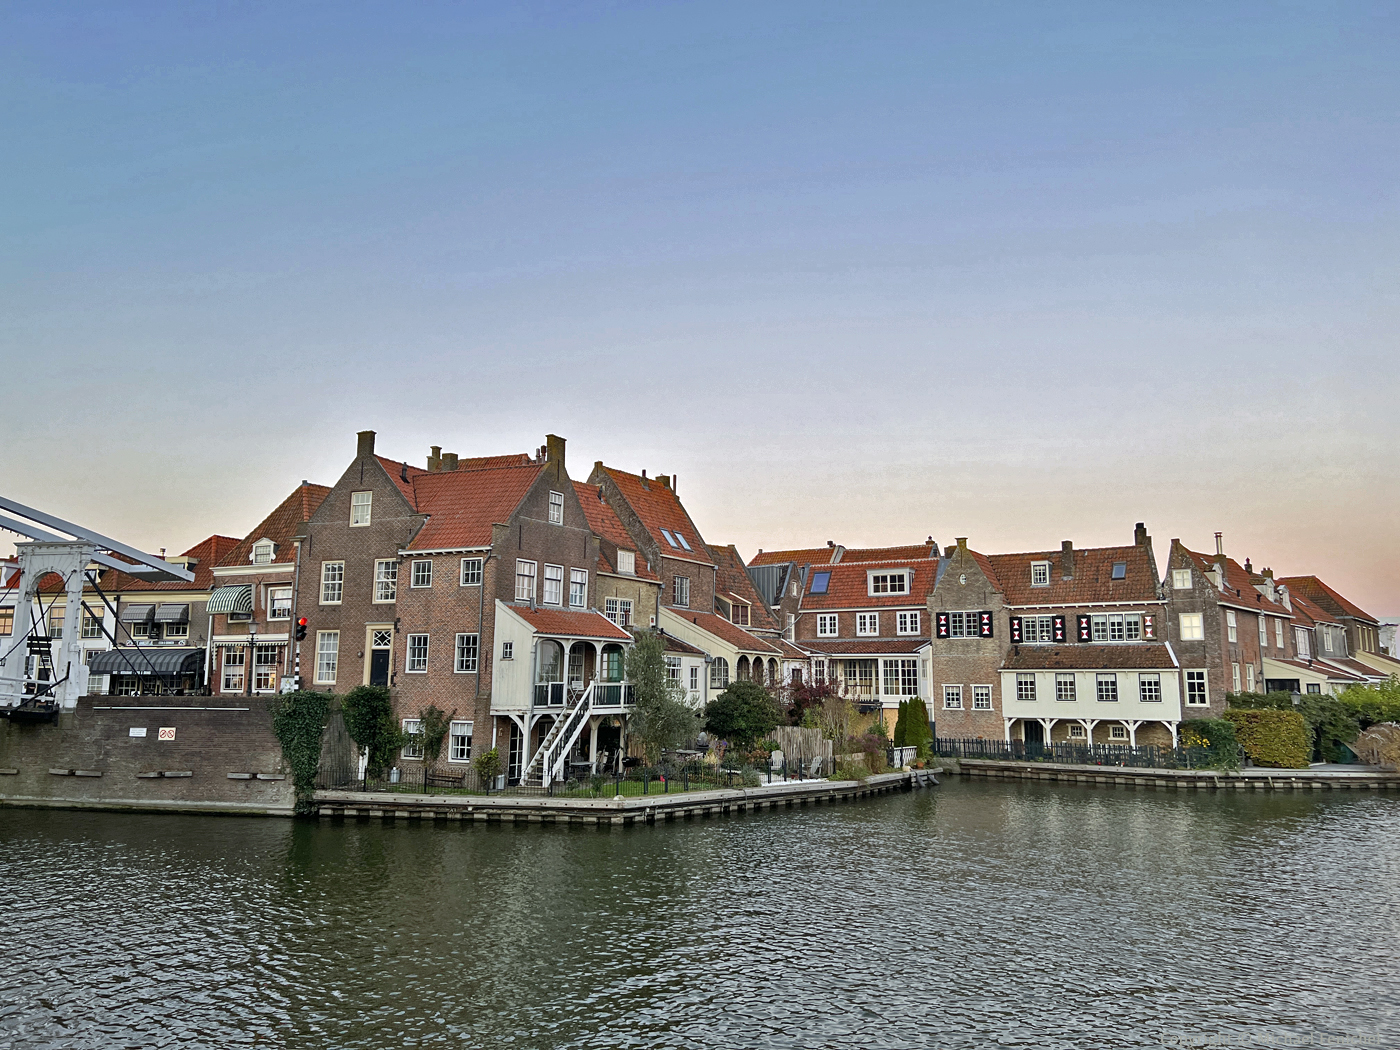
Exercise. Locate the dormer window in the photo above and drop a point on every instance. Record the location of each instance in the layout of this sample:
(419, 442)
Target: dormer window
(1040, 574)
(1120, 570)
(627, 562)
(262, 552)
(889, 582)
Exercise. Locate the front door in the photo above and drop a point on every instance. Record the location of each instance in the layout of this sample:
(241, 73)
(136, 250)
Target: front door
(381, 644)
(1034, 735)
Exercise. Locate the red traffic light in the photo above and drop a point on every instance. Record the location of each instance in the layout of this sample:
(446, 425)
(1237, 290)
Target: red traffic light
(301, 622)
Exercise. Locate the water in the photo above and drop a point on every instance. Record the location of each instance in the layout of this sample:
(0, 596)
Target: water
(971, 915)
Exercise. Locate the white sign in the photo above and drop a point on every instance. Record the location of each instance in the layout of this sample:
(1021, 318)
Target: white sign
(166, 733)
(136, 731)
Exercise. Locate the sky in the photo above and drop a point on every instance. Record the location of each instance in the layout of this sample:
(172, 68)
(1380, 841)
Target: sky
(858, 272)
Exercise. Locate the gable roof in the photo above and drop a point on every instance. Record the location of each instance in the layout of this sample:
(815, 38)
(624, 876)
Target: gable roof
(207, 553)
(847, 588)
(280, 526)
(727, 632)
(732, 577)
(1091, 579)
(1138, 656)
(810, 556)
(397, 471)
(658, 507)
(463, 504)
(1308, 613)
(606, 525)
(1315, 590)
(1237, 588)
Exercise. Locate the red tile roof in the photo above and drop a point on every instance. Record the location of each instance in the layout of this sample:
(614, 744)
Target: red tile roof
(789, 650)
(866, 646)
(1091, 580)
(280, 526)
(917, 550)
(1136, 656)
(1237, 588)
(571, 624)
(728, 632)
(606, 525)
(1353, 667)
(1307, 613)
(208, 553)
(812, 556)
(397, 471)
(675, 645)
(659, 508)
(847, 588)
(1315, 590)
(1317, 667)
(732, 578)
(463, 504)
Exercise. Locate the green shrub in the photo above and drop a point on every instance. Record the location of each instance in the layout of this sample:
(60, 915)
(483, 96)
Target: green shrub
(1373, 704)
(743, 713)
(297, 721)
(1332, 724)
(488, 767)
(1217, 737)
(433, 724)
(1272, 738)
(901, 724)
(369, 719)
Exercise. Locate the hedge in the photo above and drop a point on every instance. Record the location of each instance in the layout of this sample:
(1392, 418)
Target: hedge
(1272, 738)
(1217, 737)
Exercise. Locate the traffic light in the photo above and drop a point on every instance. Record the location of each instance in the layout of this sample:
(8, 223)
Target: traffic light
(301, 629)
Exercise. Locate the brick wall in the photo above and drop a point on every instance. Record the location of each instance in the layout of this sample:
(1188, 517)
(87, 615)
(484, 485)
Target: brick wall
(967, 661)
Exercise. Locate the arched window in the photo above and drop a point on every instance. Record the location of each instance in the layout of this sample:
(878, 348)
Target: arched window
(773, 672)
(719, 673)
(742, 668)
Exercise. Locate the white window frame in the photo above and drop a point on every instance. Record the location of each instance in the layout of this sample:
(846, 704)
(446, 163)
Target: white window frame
(1118, 732)
(1040, 574)
(420, 575)
(332, 581)
(1232, 628)
(981, 698)
(526, 574)
(1204, 682)
(91, 626)
(553, 584)
(267, 662)
(627, 562)
(412, 727)
(681, 591)
(273, 600)
(1263, 632)
(1278, 632)
(1191, 626)
(361, 510)
(887, 581)
(694, 678)
(177, 630)
(1250, 683)
(952, 698)
(469, 575)
(1181, 579)
(233, 672)
(908, 623)
(578, 588)
(1149, 683)
(415, 659)
(260, 548)
(719, 673)
(963, 623)
(618, 610)
(1301, 643)
(556, 507)
(1076, 731)
(828, 625)
(1327, 639)
(467, 650)
(455, 732)
(1067, 679)
(386, 581)
(673, 669)
(327, 656)
(1043, 627)
(868, 624)
(1106, 682)
(507, 650)
(1235, 677)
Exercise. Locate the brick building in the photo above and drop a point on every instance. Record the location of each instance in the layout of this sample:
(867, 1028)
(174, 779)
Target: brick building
(1359, 652)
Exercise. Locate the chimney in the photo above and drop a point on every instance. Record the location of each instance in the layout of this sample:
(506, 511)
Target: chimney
(554, 449)
(948, 551)
(665, 479)
(644, 480)
(449, 461)
(1067, 559)
(162, 554)
(366, 443)
(831, 543)
(1248, 566)
(836, 556)
(435, 458)
(1267, 572)
(1219, 545)
(1140, 537)
(962, 543)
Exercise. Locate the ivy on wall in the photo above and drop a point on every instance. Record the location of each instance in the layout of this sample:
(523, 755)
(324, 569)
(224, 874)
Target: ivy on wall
(298, 720)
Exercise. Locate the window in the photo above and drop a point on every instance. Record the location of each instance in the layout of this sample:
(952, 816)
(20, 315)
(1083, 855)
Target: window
(1150, 688)
(554, 585)
(740, 614)
(55, 622)
(889, 583)
(279, 603)
(1118, 732)
(1040, 574)
(144, 630)
(266, 660)
(627, 562)
(1327, 638)
(818, 671)
(417, 662)
(413, 742)
(92, 625)
(459, 742)
(7, 619)
(359, 507)
(1278, 634)
(177, 630)
(556, 508)
(233, 669)
(262, 553)
(952, 697)
(1249, 673)
(1107, 687)
(695, 679)
(1064, 686)
(1191, 627)
(981, 698)
(1120, 570)
(820, 582)
(1181, 579)
(1301, 643)
(1025, 687)
(332, 582)
(1196, 689)
(682, 591)
(964, 625)
(826, 625)
(907, 623)
(683, 542)
(386, 580)
(524, 580)
(327, 656)
(466, 654)
(422, 574)
(1231, 630)
(670, 539)
(1235, 674)
(1263, 632)
(1037, 628)
(1076, 731)
(471, 572)
(507, 650)
(619, 611)
(719, 673)
(1116, 627)
(901, 677)
(578, 588)
(867, 623)
(673, 668)
(1314, 687)
(381, 640)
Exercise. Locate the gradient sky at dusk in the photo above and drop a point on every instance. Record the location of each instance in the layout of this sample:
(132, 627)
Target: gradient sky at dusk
(1020, 272)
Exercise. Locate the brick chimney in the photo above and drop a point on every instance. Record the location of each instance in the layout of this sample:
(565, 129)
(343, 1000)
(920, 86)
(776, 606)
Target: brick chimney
(449, 461)
(365, 446)
(435, 458)
(665, 479)
(554, 450)
(1140, 537)
(1067, 559)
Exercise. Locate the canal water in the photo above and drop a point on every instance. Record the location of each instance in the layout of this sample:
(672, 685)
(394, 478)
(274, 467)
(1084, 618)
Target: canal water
(966, 916)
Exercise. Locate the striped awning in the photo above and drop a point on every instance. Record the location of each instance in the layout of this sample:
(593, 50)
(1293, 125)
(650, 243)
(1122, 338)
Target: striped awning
(231, 600)
(136, 613)
(147, 661)
(172, 614)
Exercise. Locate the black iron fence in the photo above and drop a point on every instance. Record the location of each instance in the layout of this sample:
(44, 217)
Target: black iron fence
(1145, 755)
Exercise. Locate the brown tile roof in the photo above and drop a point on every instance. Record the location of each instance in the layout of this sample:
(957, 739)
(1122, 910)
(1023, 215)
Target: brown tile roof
(606, 525)
(1317, 667)
(675, 645)
(916, 550)
(812, 556)
(1315, 590)
(1237, 587)
(659, 508)
(1353, 667)
(1135, 656)
(847, 587)
(571, 624)
(463, 504)
(866, 646)
(281, 525)
(1092, 579)
(208, 553)
(396, 471)
(731, 577)
(1307, 613)
(728, 632)
(789, 650)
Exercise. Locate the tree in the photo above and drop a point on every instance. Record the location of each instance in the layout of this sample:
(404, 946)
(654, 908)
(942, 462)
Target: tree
(901, 725)
(488, 768)
(369, 719)
(916, 729)
(432, 731)
(743, 713)
(660, 718)
(807, 696)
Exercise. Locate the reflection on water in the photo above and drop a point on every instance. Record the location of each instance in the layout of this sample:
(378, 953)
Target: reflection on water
(976, 914)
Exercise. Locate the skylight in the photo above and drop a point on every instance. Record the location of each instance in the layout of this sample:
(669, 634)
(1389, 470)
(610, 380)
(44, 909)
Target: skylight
(1120, 570)
(670, 539)
(819, 582)
(682, 539)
